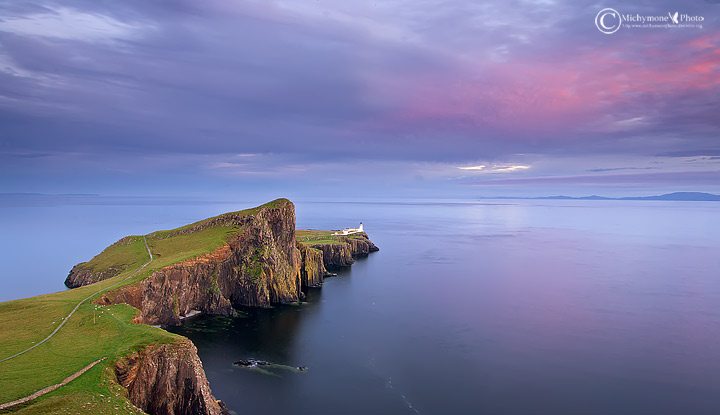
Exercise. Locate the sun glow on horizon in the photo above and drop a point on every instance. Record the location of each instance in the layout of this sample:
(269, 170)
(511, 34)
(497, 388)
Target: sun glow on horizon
(503, 168)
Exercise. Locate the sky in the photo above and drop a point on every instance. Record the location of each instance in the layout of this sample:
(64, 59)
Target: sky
(393, 98)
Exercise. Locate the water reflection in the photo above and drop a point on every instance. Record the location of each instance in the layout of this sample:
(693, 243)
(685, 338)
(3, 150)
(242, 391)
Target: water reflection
(255, 333)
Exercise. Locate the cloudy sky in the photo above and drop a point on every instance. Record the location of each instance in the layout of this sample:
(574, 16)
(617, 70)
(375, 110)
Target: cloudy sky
(378, 98)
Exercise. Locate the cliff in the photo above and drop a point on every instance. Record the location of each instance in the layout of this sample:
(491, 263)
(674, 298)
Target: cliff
(341, 252)
(312, 270)
(99, 268)
(168, 379)
(80, 276)
(259, 265)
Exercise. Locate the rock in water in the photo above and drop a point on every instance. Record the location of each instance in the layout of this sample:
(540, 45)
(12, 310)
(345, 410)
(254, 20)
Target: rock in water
(253, 363)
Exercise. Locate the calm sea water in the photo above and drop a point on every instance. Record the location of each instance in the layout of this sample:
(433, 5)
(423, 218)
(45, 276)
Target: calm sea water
(557, 307)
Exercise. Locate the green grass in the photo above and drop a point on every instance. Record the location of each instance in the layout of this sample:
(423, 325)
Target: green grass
(93, 331)
(315, 237)
(91, 393)
(119, 255)
(177, 248)
(246, 212)
(170, 245)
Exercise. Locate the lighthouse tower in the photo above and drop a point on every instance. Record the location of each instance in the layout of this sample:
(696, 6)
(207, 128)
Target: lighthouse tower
(350, 231)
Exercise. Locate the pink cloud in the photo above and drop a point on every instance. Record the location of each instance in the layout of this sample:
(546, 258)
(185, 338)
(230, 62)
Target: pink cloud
(534, 95)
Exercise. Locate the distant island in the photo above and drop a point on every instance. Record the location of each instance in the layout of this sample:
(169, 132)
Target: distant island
(677, 196)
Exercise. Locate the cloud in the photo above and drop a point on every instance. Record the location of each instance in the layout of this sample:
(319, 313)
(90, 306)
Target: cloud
(30, 155)
(260, 165)
(504, 169)
(602, 170)
(403, 83)
(495, 168)
(691, 153)
(70, 24)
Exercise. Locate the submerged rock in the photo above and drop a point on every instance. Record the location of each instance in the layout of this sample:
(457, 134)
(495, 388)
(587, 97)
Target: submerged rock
(253, 363)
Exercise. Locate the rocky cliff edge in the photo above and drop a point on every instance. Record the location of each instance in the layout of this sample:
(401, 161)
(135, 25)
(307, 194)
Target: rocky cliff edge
(168, 379)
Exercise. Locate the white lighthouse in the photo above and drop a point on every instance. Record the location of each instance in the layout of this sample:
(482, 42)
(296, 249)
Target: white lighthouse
(350, 231)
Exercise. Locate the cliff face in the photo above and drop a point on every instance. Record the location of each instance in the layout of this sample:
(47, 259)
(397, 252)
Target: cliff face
(335, 255)
(312, 270)
(361, 245)
(80, 276)
(258, 267)
(168, 380)
(341, 254)
(83, 274)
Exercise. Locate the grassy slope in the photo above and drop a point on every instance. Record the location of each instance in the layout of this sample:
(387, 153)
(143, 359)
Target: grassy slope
(314, 237)
(93, 331)
(167, 250)
(121, 257)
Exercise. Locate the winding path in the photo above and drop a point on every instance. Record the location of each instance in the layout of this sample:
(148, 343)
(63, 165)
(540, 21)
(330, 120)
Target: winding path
(82, 302)
(51, 388)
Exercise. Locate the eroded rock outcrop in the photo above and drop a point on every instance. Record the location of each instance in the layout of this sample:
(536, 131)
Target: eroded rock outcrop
(341, 254)
(80, 276)
(362, 245)
(83, 274)
(168, 379)
(312, 268)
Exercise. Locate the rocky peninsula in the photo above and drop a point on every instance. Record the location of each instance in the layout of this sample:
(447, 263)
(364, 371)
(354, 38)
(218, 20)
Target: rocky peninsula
(252, 258)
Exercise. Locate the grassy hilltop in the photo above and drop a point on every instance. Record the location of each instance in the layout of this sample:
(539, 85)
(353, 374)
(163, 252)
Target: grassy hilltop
(169, 246)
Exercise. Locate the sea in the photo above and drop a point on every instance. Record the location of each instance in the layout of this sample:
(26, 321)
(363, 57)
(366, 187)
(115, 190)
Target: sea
(470, 306)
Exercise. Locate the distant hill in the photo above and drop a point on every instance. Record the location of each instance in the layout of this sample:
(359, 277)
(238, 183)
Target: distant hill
(681, 196)
(689, 196)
